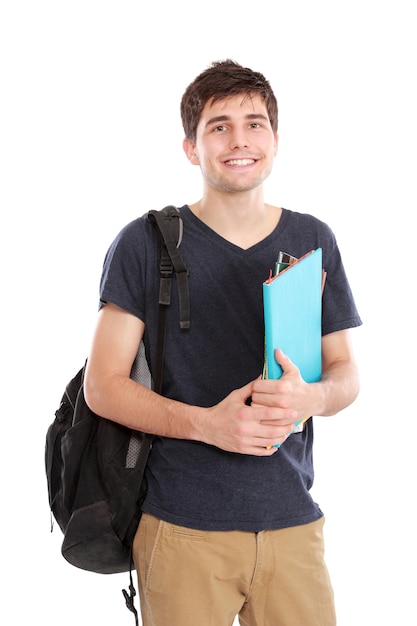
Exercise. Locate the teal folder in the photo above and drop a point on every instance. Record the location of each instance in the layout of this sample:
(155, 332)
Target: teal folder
(292, 314)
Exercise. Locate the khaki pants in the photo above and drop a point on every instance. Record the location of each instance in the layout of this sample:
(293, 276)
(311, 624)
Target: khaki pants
(196, 578)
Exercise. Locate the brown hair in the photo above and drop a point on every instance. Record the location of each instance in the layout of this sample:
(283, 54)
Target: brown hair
(220, 80)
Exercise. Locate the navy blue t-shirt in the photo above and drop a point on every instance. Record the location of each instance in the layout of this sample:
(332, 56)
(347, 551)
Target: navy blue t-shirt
(191, 483)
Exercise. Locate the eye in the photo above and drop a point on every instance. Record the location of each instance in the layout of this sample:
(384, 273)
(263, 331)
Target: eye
(255, 125)
(219, 129)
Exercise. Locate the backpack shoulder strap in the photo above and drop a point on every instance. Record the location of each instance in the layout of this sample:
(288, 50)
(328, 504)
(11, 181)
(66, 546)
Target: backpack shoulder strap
(169, 224)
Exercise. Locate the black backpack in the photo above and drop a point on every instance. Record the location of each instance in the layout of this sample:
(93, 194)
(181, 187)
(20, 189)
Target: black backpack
(94, 466)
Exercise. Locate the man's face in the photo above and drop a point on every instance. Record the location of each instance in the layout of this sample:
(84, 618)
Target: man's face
(235, 145)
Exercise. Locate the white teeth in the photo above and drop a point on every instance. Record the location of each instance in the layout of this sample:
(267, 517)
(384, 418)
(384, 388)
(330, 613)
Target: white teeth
(241, 162)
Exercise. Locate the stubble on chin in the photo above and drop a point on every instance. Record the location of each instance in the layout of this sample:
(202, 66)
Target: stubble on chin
(233, 184)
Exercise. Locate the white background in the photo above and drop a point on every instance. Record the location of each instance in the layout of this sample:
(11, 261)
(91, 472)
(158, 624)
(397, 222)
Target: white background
(91, 138)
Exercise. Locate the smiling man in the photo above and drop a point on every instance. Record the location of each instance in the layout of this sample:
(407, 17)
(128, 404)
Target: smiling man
(234, 144)
(229, 526)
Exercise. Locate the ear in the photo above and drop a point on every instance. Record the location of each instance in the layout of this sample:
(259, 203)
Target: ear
(189, 149)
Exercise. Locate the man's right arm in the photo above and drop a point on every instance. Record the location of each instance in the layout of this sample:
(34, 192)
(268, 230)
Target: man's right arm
(110, 392)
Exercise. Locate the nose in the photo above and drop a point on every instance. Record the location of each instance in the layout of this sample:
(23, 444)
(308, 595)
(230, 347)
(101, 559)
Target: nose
(239, 139)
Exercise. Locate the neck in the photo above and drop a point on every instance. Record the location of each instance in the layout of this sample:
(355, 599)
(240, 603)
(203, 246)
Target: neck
(242, 219)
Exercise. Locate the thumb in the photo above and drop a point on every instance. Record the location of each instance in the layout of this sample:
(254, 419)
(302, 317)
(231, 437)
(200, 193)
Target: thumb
(285, 362)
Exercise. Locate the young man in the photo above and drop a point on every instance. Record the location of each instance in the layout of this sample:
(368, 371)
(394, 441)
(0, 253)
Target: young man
(229, 526)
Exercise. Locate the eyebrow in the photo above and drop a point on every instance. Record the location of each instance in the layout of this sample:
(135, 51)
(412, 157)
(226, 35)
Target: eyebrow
(226, 118)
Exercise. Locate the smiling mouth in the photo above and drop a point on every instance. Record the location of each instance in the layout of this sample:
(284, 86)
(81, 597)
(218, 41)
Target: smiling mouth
(240, 162)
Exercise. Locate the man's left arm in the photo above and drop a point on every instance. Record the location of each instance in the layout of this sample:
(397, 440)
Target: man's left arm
(339, 384)
(337, 389)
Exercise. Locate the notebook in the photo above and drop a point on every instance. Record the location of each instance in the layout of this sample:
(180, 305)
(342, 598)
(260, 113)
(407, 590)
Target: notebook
(292, 315)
